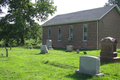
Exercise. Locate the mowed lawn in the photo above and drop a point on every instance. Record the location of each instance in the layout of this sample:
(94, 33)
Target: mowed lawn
(28, 64)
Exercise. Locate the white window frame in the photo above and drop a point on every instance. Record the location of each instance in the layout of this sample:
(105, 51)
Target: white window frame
(85, 26)
(71, 26)
(70, 34)
(59, 33)
(49, 33)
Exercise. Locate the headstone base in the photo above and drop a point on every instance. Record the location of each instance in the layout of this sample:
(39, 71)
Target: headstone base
(109, 59)
(50, 48)
(69, 48)
(69, 51)
(43, 52)
(81, 72)
(31, 47)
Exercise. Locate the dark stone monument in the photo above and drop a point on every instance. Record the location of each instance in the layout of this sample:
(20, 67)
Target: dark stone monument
(84, 52)
(108, 50)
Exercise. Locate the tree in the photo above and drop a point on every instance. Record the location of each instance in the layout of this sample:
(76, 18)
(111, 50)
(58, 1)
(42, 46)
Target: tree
(23, 12)
(34, 32)
(112, 2)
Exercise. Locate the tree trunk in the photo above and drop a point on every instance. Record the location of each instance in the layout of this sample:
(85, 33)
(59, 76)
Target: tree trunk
(22, 39)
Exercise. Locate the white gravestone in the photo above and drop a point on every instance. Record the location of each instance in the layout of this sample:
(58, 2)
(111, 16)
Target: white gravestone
(69, 48)
(44, 49)
(31, 46)
(49, 44)
(89, 65)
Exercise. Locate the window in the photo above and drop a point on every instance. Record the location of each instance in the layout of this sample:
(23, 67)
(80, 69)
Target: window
(59, 34)
(49, 33)
(70, 33)
(85, 32)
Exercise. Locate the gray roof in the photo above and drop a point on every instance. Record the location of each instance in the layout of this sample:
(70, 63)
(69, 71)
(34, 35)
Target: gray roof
(80, 16)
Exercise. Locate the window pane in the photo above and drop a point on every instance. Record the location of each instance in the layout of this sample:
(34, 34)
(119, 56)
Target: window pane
(85, 32)
(49, 33)
(59, 33)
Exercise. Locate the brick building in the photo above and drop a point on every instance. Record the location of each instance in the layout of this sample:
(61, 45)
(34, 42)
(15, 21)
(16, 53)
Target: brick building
(83, 29)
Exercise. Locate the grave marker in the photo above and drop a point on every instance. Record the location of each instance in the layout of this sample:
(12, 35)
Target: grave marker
(89, 65)
(31, 46)
(84, 52)
(44, 49)
(69, 48)
(77, 50)
(49, 44)
(108, 50)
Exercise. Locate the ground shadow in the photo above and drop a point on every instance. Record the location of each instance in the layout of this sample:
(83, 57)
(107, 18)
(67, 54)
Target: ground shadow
(77, 76)
(60, 49)
(37, 54)
(105, 63)
(36, 47)
(2, 56)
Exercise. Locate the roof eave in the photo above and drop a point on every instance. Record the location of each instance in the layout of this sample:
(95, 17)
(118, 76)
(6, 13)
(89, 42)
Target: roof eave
(71, 22)
(110, 10)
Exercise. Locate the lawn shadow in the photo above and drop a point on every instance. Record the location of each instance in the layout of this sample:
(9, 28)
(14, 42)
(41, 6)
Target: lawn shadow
(105, 63)
(59, 49)
(2, 56)
(77, 76)
(37, 54)
(36, 47)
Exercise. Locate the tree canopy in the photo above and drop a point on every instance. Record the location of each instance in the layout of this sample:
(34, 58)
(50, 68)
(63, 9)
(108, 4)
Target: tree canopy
(21, 14)
(112, 2)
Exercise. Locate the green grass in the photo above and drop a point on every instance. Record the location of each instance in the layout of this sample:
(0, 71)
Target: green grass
(28, 64)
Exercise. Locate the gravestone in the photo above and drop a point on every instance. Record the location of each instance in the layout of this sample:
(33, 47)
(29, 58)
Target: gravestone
(89, 65)
(108, 50)
(31, 46)
(69, 48)
(84, 52)
(44, 49)
(77, 50)
(49, 44)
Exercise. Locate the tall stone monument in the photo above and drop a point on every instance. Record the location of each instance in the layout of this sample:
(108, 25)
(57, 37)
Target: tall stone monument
(89, 65)
(108, 50)
(49, 44)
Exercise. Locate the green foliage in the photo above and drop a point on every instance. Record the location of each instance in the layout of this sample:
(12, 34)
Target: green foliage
(28, 64)
(35, 32)
(22, 13)
(112, 2)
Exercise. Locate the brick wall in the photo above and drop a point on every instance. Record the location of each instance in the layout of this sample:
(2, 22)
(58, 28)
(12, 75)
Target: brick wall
(109, 25)
(77, 42)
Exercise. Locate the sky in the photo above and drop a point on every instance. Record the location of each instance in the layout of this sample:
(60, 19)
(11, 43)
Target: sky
(69, 6)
